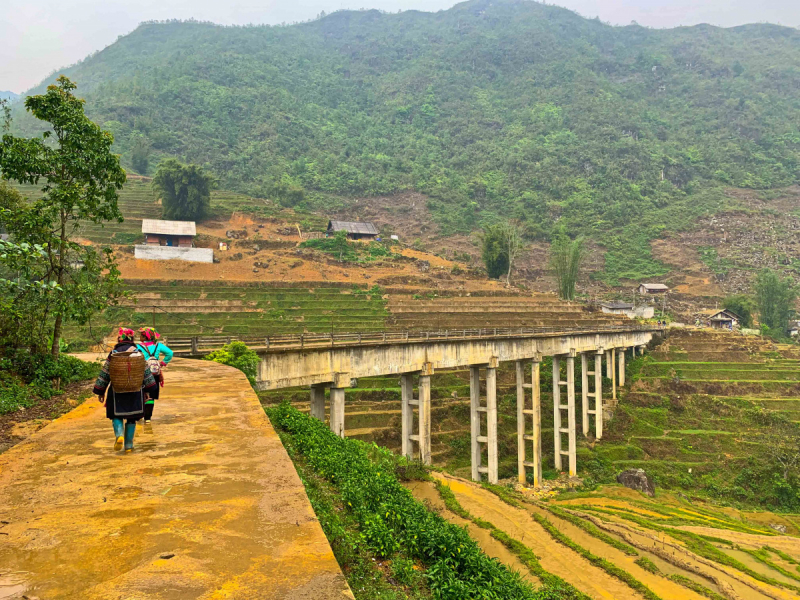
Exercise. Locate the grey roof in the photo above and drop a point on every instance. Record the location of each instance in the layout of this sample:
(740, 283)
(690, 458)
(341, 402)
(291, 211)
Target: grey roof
(353, 227)
(725, 315)
(158, 226)
(618, 305)
(654, 286)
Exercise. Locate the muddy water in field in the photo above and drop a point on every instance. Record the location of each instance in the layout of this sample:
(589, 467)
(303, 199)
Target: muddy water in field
(425, 491)
(555, 558)
(757, 566)
(660, 585)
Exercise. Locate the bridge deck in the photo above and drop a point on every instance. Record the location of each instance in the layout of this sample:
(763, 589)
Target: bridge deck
(210, 484)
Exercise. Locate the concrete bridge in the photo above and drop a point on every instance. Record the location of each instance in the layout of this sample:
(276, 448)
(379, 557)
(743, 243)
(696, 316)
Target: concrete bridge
(332, 361)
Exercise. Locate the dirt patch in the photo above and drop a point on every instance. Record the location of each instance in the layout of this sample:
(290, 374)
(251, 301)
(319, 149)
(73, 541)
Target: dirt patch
(18, 425)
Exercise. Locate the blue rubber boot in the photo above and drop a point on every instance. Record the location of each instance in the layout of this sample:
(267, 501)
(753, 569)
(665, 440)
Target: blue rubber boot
(130, 430)
(118, 429)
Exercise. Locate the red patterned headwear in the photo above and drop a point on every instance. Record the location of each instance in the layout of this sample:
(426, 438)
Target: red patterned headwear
(149, 334)
(125, 335)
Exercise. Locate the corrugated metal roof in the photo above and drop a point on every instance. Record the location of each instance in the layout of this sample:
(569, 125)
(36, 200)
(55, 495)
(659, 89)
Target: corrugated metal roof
(654, 286)
(158, 226)
(725, 315)
(353, 227)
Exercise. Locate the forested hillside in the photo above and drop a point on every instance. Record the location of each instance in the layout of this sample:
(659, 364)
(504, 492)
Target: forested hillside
(490, 108)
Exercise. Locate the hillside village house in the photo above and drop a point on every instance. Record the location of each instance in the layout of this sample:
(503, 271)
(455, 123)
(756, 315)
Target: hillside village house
(628, 309)
(355, 230)
(171, 240)
(646, 289)
(169, 233)
(724, 319)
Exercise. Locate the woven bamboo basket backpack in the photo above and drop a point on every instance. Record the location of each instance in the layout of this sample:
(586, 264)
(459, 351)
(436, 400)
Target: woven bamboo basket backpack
(126, 371)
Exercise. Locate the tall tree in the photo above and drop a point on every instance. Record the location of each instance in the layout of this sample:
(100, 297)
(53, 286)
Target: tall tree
(774, 297)
(140, 155)
(566, 257)
(493, 251)
(513, 243)
(741, 305)
(185, 190)
(80, 179)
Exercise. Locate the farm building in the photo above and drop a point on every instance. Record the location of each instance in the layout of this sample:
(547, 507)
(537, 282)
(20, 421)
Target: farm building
(355, 230)
(168, 240)
(652, 288)
(628, 309)
(724, 319)
(168, 233)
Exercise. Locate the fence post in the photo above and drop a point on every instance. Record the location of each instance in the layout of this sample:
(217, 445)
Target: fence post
(229, 340)
(359, 337)
(331, 338)
(267, 340)
(302, 340)
(195, 349)
(384, 337)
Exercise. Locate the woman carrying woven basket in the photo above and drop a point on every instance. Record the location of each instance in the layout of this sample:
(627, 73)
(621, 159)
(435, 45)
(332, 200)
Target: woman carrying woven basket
(126, 367)
(153, 350)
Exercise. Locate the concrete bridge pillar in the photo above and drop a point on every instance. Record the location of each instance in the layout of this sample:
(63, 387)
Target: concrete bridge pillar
(423, 404)
(318, 402)
(535, 414)
(558, 416)
(337, 411)
(585, 393)
(613, 375)
(622, 367)
(598, 395)
(490, 409)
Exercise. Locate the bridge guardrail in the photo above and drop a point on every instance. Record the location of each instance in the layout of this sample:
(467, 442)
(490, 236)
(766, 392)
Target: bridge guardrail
(196, 344)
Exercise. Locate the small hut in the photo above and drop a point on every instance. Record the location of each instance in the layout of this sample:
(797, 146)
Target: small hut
(724, 319)
(646, 289)
(354, 229)
(178, 234)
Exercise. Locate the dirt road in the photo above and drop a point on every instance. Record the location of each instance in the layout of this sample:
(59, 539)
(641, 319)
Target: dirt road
(208, 506)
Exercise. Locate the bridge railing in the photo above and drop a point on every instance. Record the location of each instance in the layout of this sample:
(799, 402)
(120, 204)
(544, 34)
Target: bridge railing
(196, 344)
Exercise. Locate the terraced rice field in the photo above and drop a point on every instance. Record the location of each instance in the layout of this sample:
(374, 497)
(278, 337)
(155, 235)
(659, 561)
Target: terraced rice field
(183, 310)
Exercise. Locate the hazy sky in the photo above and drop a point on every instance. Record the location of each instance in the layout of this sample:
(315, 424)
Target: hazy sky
(39, 36)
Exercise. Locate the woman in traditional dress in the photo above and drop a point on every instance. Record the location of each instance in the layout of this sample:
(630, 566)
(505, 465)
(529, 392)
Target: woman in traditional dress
(153, 350)
(124, 405)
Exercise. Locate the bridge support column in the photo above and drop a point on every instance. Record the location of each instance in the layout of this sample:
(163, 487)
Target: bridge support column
(423, 404)
(337, 411)
(613, 375)
(318, 402)
(490, 439)
(535, 413)
(571, 434)
(558, 416)
(622, 367)
(598, 395)
(585, 394)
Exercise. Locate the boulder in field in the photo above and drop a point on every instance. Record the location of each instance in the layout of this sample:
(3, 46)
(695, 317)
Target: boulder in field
(637, 479)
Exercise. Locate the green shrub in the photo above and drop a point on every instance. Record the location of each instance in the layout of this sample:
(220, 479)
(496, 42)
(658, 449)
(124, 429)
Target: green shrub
(238, 355)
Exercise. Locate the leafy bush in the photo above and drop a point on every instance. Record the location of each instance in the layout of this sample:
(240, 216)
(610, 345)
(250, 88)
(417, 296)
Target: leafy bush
(238, 355)
(343, 249)
(26, 377)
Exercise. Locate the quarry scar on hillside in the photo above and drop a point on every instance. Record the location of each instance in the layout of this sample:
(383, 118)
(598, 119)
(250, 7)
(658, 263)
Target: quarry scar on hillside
(335, 367)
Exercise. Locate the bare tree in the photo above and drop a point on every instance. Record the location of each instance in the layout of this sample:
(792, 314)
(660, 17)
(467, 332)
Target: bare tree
(782, 444)
(512, 242)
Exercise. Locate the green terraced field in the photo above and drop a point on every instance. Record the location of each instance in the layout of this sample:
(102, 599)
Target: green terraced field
(184, 309)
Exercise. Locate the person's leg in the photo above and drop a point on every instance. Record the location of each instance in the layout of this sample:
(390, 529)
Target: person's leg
(148, 410)
(118, 429)
(130, 430)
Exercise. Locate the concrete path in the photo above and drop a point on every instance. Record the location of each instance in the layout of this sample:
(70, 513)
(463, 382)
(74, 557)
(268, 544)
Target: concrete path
(208, 506)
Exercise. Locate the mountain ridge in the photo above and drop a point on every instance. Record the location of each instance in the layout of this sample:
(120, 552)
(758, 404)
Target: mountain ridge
(491, 109)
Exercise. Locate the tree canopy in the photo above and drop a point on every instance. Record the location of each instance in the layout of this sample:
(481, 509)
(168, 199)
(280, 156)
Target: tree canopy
(775, 298)
(80, 178)
(185, 190)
